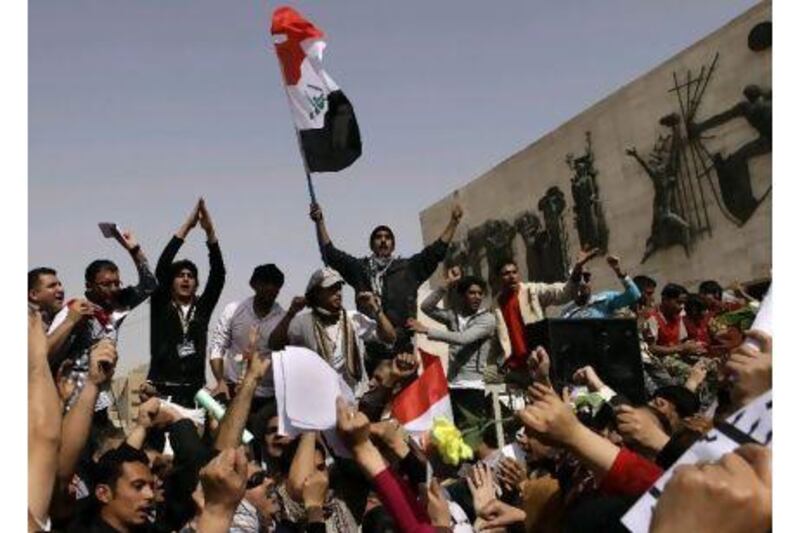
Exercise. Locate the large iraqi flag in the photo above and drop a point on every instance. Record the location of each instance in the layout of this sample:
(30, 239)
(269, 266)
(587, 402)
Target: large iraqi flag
(322, 114)
(425, 398)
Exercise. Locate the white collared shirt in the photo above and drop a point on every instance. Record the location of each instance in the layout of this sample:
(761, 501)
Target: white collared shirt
(230, 336)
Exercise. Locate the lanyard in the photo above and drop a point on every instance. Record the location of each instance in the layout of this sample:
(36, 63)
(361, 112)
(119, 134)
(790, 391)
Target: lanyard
(185, 319)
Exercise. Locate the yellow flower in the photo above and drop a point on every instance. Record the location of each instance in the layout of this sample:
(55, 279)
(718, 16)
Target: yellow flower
(448, 441)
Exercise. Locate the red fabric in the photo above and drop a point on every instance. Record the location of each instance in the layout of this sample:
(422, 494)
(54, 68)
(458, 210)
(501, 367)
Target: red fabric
(698, 331)
(509, 305)
(418, 397)
(400, 502)
(287, 21)
(630, 475)
(669, 330)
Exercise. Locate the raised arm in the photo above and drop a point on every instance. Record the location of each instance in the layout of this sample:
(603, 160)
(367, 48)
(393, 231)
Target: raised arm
(631, 294)
(319, 221)
(348, 266)
(216, 276)
(279, 337)
(78, 420)
(134, 295)
(171, 250)
(302, 466)
(44, 422)
(232, 424)
(385, 330)
(64, 323)
(561, 293)
(431, 309)
(479, 330)
(224, 482)
(455, 217)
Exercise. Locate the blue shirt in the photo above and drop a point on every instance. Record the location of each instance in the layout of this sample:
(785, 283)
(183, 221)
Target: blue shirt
(604, 304)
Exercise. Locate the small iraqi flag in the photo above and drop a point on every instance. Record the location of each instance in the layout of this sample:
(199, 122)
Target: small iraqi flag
(425, 398)
(322, 114)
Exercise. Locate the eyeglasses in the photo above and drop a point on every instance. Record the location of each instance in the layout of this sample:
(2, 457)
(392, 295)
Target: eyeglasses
(256, 479)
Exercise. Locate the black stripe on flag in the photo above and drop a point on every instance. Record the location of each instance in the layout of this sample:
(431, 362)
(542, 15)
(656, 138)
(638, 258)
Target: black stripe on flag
(338, 143)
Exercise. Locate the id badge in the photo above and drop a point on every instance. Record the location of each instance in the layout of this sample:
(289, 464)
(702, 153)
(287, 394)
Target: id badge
(186, 348)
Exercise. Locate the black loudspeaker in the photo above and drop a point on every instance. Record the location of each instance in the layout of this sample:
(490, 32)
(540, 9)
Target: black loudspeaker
(610, 346)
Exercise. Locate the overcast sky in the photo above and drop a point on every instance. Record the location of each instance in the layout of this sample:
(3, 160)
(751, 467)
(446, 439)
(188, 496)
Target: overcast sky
(137, 108)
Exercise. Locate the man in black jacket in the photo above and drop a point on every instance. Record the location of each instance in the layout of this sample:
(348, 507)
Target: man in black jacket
(179, 318)
(393, 279)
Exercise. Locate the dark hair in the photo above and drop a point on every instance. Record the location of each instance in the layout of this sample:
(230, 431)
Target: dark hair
(695, 304)
(710, 287)
(465, 283)
(382, 227)
(97, 266)
(109, 467)
(685, 401)
(36, 273)
(290, 451)
(183, 264)
(673, 290)
(268, 273)
(503, 262)
(377, 520)
(644, 282)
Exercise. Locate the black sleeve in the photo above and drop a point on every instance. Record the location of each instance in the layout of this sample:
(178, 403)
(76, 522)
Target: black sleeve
(315, 527)
(190, 456)
(425, 263)
(165, 261)
(216, 278)
(351, 269)
(414, 469)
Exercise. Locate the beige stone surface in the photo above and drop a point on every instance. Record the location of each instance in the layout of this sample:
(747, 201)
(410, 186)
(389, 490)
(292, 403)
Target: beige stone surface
(629, 117)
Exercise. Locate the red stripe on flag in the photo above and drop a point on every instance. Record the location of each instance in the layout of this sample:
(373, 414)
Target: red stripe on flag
(426, 390)
(427, 358)
(297, 29)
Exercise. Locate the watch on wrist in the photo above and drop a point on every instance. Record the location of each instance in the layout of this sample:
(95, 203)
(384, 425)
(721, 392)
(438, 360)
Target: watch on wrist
(136, 249)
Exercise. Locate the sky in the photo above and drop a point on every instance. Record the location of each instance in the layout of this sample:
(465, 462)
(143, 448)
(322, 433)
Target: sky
(137, 108)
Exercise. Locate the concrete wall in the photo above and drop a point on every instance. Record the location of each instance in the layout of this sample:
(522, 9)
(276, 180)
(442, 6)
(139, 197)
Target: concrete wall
(630, 117)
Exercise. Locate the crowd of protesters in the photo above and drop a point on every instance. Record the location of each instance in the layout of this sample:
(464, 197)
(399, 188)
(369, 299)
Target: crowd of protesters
(576, 470)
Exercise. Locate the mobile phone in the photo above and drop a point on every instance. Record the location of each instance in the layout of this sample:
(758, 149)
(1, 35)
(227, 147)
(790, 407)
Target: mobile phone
(108, 229)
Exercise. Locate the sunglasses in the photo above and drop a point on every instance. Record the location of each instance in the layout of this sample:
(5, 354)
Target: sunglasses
(256, 479)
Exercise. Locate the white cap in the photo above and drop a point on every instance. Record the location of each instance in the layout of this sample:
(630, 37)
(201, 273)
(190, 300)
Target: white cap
(324, 277)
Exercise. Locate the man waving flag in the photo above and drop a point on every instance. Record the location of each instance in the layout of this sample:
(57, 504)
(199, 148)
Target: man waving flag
(324, 118)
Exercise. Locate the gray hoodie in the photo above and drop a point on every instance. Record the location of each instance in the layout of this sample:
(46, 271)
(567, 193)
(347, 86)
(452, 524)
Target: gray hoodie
(469, 346)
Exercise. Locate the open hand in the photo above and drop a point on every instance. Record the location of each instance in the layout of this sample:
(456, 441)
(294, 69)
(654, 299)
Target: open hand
(549, 417)
(481, 485)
